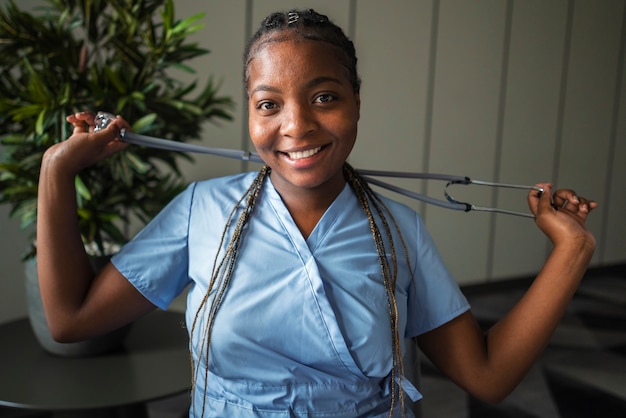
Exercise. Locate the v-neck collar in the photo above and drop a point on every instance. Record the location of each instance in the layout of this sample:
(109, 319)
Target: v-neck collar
(323, 226)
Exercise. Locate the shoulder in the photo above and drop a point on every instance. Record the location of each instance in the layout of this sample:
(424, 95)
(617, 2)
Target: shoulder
(211, 195)
(239, 180)
(224, 188)
(405, 216)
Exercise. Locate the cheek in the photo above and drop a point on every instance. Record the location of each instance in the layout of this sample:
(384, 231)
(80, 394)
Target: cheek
(259, 132)
(348, 131)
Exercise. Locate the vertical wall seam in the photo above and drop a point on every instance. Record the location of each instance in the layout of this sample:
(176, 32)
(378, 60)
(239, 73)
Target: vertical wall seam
(608, 184)
(244, 142)
(352, 20)
(558, 141)
(430, 93)
(504, 78)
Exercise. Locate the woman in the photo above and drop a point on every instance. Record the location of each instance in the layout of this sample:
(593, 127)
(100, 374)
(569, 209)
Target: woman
(304, 282)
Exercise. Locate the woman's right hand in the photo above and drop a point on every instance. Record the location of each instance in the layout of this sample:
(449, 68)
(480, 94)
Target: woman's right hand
(86, 147)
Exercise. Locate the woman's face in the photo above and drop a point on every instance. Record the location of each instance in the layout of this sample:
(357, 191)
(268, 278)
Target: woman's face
(303, 113)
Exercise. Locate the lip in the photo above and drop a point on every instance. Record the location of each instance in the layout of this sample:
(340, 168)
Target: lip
(303, 156)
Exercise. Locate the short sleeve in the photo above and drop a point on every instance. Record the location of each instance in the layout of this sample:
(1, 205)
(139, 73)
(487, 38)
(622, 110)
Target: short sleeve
(435, 298)
(156, 261)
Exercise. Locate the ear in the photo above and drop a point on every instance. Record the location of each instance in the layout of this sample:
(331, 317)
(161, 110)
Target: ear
(357, 98)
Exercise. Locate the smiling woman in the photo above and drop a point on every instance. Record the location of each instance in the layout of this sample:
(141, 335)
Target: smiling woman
(304, 282)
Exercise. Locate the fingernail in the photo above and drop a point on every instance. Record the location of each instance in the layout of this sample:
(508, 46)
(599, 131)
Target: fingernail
(575, 199)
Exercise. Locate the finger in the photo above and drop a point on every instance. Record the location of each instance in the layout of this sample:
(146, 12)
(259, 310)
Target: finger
(535, 195)
(565, 199)
(545, 199)
(111, 134)
(586, 206)
(82, 121)
(121, 123)
(79, 126)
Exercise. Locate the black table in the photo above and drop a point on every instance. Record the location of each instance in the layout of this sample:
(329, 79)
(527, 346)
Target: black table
(153, 364)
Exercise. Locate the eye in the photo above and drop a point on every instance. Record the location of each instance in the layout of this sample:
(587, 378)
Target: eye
(324, 98)
(266, 105)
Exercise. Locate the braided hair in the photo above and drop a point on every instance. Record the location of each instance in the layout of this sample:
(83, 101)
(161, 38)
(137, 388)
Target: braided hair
(307, 24)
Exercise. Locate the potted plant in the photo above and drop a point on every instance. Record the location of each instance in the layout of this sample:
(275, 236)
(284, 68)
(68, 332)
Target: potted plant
(120, 56)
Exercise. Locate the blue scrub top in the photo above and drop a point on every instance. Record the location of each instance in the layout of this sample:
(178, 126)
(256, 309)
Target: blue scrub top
(304, 325)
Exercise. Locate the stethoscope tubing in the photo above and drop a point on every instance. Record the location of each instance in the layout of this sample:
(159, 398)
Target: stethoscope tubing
(103, 119)
(166, 144)
(368, 175)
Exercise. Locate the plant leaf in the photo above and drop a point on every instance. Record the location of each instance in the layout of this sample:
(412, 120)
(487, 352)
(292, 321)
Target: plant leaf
(81, 189)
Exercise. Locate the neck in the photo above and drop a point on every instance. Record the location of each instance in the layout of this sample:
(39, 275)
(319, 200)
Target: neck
(308, 205)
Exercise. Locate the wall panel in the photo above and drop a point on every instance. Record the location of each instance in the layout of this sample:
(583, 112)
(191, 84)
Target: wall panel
(614, 206)
(222, 21)
(465, 118)
(393, 50)
(589, 100)
(529, 128)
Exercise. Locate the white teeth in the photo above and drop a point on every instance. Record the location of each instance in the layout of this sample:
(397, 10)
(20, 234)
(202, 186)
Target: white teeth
(298, 155)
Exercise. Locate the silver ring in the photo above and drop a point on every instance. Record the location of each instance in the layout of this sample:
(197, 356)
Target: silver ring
(564, 204)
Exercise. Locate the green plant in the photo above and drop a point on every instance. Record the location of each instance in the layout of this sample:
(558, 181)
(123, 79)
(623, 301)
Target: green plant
(120, 56)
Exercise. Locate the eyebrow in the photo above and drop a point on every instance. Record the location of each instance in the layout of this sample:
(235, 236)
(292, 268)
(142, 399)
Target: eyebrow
(323, 79)
(314, 82)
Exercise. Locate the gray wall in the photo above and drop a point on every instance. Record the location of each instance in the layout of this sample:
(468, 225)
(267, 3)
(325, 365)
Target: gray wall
(512, 91)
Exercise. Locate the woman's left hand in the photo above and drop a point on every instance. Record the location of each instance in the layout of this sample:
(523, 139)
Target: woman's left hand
(562, 215)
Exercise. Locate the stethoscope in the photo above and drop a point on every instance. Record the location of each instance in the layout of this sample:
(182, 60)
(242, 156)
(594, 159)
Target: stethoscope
(103, 119)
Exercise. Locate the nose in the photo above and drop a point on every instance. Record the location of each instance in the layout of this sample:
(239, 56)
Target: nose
(298, 121)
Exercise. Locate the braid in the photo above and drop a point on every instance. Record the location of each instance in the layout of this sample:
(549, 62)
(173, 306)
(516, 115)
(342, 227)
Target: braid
(368, 200)
(221, 275)
(306, 24)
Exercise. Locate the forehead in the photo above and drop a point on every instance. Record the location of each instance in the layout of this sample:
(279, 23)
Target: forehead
(294, 57)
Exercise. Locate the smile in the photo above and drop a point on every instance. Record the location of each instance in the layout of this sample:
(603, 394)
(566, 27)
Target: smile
(298, 155)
